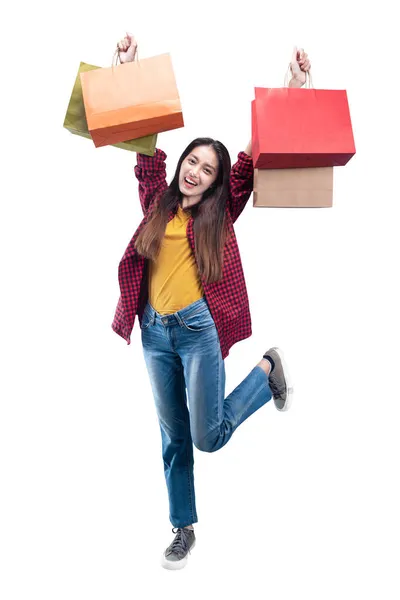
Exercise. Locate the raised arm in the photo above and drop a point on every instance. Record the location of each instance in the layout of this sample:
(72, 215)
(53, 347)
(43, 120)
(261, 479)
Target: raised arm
(151, 174)
(248, 150)
(241, 183)
(149, 170)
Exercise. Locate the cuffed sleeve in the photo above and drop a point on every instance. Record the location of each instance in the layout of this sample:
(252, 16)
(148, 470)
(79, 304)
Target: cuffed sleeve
(151, 174)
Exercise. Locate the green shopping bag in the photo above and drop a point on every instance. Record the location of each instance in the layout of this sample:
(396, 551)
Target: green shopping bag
(75, 119)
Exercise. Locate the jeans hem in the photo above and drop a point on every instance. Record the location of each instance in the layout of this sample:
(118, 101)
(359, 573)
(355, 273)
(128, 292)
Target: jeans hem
(186, 524)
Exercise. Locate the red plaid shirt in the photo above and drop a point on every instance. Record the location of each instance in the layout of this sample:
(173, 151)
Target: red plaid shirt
(227, 299)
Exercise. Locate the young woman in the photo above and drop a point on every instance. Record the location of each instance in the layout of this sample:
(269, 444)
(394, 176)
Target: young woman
(182, 275)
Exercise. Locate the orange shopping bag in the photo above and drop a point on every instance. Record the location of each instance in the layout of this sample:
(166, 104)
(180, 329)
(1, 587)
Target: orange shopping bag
(131, 100)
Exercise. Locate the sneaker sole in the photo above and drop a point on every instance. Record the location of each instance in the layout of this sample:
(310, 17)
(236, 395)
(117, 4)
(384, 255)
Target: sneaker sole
(174, 565)
(289, 386)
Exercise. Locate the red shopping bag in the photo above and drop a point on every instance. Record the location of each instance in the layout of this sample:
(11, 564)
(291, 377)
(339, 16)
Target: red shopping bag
(298, 128)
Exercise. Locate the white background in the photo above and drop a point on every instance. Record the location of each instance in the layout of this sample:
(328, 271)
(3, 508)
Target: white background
(297, 504)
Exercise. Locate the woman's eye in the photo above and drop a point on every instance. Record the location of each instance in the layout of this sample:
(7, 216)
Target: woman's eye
(207, 172)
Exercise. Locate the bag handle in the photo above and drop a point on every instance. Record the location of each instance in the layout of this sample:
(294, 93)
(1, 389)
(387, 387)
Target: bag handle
(116, 57)
(308, 78)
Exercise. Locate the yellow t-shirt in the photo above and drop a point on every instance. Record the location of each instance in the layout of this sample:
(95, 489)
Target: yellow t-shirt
(174, 280)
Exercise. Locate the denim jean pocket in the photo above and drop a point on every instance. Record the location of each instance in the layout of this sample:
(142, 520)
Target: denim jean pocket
(198, 321)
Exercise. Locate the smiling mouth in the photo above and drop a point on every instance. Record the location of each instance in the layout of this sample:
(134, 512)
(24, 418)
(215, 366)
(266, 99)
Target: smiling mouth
(189, 182)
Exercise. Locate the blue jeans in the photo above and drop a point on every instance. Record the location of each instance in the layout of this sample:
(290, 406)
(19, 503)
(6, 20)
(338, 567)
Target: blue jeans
(182, 352)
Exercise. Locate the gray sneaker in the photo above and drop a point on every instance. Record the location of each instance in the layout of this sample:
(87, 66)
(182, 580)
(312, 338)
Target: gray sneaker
(176, 555)
(279, 380)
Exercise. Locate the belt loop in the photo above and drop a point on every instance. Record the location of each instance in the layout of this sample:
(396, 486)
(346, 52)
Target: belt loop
(179, 319)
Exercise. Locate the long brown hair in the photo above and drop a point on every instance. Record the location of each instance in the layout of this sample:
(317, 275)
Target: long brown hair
(210, 225)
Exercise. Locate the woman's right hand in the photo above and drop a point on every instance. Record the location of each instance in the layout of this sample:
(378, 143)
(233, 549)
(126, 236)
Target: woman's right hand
(127, 48)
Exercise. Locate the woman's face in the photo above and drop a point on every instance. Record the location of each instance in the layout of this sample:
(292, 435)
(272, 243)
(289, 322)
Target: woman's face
(198, 172)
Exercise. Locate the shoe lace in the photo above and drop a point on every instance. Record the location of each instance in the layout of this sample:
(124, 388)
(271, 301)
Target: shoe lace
(180, 544)
(276, 389)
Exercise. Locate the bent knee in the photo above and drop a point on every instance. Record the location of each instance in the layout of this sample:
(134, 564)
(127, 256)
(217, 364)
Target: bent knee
(206, 444)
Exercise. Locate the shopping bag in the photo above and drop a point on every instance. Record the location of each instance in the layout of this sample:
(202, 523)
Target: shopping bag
(75, 119)
(299, 128)
(131, 100)
(293, 188)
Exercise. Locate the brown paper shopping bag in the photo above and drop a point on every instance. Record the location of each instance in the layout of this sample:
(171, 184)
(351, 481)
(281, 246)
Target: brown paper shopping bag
(293, 188)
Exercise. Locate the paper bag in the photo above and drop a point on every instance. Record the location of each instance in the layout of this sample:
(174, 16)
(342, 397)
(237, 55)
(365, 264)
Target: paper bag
(299, 128)
(131, 100)
(293, 188)
(75, 119)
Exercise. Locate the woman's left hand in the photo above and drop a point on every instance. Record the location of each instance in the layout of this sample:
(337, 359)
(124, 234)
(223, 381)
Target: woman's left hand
(299, 65)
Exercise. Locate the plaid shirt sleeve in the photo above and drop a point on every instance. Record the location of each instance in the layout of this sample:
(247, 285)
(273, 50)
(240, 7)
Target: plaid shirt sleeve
(151, 174)
(241, 184)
